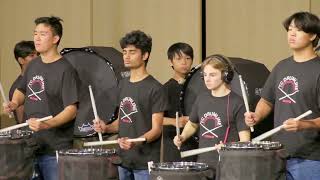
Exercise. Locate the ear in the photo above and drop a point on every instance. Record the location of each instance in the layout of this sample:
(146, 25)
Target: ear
(21, 60)
(145, 56)
(313, 37)
(56, 38)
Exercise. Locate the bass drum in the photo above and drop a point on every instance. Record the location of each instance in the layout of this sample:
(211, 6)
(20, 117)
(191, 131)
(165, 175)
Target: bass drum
(94, 67)
(253, 74)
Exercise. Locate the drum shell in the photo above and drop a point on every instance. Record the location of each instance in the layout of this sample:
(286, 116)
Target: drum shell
(243, 164)
(84, 167)
(16, 159)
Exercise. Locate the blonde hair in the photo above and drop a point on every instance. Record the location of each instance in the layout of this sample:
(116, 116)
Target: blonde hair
(217, 62)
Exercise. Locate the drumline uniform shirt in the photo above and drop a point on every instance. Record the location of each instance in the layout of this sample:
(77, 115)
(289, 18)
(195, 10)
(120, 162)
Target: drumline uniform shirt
(211, 114)
(48, 89)
(138, 101)
(170, 151)
(13, 87)
(294, 88)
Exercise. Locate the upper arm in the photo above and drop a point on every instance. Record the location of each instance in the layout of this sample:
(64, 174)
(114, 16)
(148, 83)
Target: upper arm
(157, 120)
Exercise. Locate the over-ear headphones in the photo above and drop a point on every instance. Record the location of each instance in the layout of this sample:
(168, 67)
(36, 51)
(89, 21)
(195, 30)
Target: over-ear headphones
(227, 75)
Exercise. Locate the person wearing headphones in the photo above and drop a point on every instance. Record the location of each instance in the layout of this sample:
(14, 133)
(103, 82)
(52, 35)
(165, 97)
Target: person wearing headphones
(218, 112)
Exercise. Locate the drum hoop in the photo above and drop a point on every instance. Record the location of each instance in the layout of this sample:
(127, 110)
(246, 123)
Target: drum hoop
(194, 166)
(89, 152)
(184, 87)
(262, 145)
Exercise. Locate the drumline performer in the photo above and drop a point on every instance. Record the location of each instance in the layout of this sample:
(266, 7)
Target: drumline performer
(24, 53)
(292, 88)
(48, 87)
(218, 113)
(142, 102)
(180, 56)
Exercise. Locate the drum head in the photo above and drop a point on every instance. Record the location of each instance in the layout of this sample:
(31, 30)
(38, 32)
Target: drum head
(179, 166)
(95, 70)
(88, 152)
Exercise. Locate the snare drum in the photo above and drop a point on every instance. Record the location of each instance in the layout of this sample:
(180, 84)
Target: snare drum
(84, 164)
(15, 156)
(180, 171)
(263, 160)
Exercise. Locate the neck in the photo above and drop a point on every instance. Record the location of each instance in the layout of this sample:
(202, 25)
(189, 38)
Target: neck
(305, 54)
(221, 91)
(23, 69)
(138, 74)
(180, 78)
(50, 56)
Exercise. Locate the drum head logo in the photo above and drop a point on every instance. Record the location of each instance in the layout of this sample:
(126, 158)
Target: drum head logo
(210, 122)
(36, 87)
(288, 88)
(127, 108)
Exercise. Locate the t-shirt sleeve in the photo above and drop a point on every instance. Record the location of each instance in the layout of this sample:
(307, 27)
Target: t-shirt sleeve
(268, 91)
(239, 116)
(193, 116)
(159, 100)
(69, 89)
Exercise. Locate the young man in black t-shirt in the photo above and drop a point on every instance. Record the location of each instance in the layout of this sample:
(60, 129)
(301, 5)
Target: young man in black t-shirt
(180, 56)
(48, 87)
(293, 88)
(24, 52)
(218, 113)
(142, 102)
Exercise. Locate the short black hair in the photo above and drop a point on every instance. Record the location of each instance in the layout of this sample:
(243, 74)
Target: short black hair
(54, 22)
(23, 49)
(179, 47)
(138, 39)
(305, 21)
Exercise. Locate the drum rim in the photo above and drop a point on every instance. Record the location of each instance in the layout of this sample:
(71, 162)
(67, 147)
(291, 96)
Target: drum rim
(261, 145)
(198, 166)
(89, 152)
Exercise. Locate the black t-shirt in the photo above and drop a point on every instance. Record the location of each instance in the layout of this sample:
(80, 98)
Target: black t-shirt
(138, 101)
(48, 89)
(214, 115)
(294, 88)
(13, 87)
(170, 151)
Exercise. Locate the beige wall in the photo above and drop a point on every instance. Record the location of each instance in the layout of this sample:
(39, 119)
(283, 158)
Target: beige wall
(252, 29)
(101, 23)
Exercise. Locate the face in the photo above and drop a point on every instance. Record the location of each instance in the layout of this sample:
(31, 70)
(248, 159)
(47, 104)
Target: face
(212, 77)
(44, 39)
(133, 57)
(25, 61)
(298, 39)
(181, 64)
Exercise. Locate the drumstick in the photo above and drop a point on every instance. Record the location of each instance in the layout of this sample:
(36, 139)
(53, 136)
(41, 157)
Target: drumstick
(23, 124)
(5, 99)
(197, 151)
(245, 99)
(177, 125)
(277, 129)
(98, 143)
(93, 103)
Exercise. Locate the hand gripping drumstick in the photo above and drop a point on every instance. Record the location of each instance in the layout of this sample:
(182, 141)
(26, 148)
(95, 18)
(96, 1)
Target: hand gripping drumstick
(245, 99)
(99, 143)
(177, 125)
(93, 102)
(23, 124)
(5, 99)
(277, 129)
(197, 151)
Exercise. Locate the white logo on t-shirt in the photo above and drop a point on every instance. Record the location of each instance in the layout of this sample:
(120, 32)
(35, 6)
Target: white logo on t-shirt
(127, 107)
(213, 120)
(36, 86)
(288, 87)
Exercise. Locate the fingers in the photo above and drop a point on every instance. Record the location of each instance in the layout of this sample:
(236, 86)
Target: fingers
(177, 141)
(98, 125)
(291, 125)
(124, 144)
(250, 118)
(8, 107)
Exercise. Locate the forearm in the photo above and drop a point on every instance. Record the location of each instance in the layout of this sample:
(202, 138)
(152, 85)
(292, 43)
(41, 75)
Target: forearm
(20, 113)
(310, 124)
(169, 121)
(244, 136)
(113, 127)
(189, 130)
(18, 98)
(263, 109)
(67, 115)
